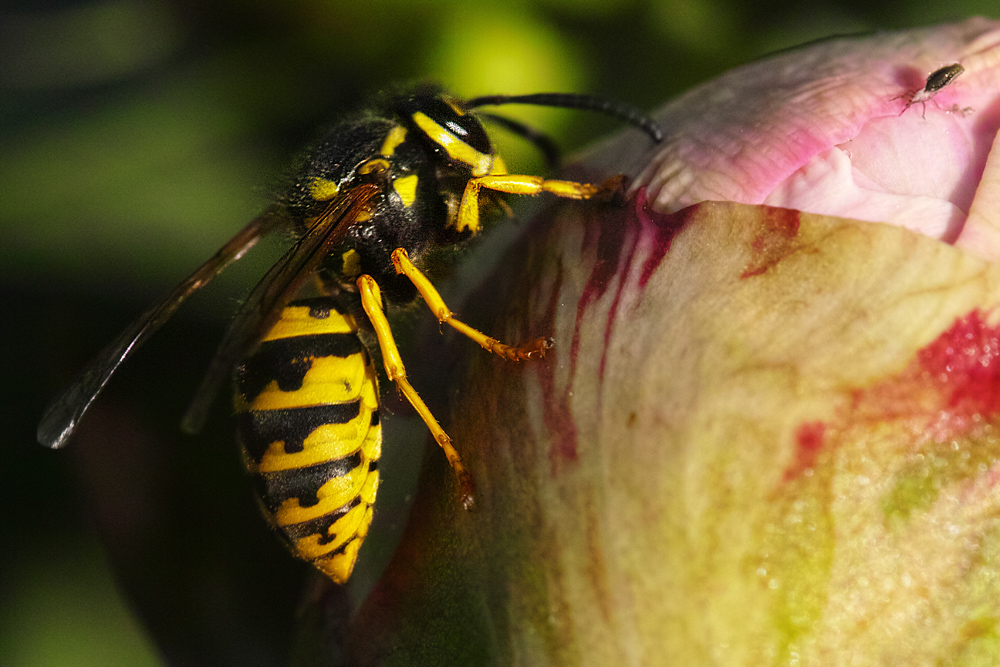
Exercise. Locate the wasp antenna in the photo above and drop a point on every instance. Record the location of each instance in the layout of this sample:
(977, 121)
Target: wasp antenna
(614, 108)
(543, 142)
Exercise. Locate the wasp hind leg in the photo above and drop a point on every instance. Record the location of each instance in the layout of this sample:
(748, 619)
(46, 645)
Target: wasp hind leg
(371, 301)
(533, 350)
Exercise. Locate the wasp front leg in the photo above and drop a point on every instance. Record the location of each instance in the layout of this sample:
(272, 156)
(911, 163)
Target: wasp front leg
(468, 210)
(533, 350)
(371, 301)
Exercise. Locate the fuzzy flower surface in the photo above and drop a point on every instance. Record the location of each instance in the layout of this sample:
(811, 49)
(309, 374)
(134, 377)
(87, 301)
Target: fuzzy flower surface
(768, 431)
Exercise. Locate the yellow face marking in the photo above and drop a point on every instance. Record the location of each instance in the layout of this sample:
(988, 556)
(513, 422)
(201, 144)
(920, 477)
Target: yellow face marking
(396, 136)
(406, 188)
(352, 263)
(481, 163)
(323, 190)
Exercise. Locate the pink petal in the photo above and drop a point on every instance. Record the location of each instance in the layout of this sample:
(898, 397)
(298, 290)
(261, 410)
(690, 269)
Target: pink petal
(778, 131)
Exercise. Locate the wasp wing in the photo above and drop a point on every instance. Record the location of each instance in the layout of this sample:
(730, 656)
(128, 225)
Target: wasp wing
(64, 414)
(275, 289)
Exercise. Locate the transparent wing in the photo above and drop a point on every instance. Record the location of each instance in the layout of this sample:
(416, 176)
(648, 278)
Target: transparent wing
(64, 414)
(274, 290)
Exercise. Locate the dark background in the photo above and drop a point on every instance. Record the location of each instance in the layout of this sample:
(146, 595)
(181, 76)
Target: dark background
(136, 136)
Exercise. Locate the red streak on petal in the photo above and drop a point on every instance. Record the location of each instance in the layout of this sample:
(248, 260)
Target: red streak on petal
(774, 242)
(663, 227)
(630, 225)
(950, 388)
(808, 443)
(963, 365)
(952, 385)
(605, 237)
(556, 412)
(613, 236)
(644, 223)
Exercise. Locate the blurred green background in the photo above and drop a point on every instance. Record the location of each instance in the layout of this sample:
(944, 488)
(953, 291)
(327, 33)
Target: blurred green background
(136, 137)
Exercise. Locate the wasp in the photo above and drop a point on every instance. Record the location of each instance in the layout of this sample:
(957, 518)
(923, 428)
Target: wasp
(373, 198)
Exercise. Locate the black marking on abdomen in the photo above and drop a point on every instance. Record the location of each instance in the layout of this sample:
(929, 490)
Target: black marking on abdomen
(274, 488)
(257, 429)
(287, 360)
(339, 550)
(319, 307)
(320, 525)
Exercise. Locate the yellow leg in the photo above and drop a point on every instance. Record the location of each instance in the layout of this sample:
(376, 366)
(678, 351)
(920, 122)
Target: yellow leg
(534, 350)
(371, 301)
(468, 210)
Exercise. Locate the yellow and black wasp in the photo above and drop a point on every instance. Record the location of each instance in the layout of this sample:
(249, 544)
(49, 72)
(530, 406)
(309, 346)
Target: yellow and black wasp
(369, 202)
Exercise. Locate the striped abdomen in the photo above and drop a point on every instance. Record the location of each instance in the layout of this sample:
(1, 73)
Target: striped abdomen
(308, 423)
